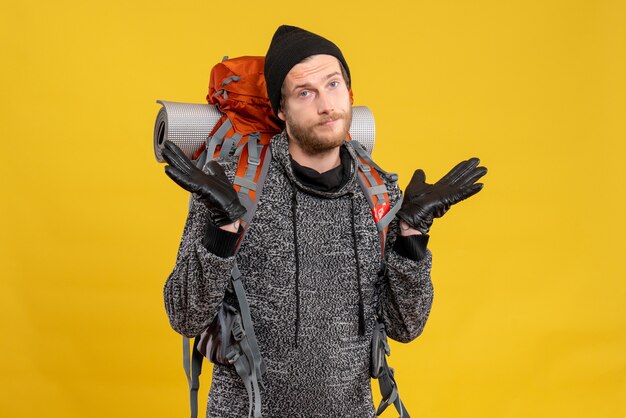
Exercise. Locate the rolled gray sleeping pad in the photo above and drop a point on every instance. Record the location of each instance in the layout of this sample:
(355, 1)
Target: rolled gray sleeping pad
(188, 125)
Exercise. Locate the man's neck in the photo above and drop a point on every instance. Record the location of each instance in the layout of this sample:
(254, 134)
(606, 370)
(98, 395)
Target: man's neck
(321, 162)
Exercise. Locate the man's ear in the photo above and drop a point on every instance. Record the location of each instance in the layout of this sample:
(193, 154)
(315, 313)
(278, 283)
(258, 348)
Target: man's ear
(281, 115)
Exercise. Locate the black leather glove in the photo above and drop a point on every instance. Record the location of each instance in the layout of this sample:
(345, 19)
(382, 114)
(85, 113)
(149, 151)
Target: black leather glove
(423, 202)
(212, 188)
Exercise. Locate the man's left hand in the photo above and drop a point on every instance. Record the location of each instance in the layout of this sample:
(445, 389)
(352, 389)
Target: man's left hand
(423, 202)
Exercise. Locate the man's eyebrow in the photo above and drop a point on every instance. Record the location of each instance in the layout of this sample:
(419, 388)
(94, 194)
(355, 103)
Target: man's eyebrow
(305, 85)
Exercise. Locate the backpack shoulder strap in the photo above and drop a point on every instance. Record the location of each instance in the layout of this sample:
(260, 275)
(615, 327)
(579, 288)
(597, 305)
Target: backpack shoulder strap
(373, 186)
(371, 179)
(250, 175)
(254, 161)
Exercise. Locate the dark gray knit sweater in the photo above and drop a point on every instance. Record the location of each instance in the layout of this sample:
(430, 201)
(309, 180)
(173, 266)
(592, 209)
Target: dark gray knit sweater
(317, 363)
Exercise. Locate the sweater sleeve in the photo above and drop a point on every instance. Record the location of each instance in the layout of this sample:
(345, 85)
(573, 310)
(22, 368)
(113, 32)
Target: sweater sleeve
(196, 285)
(406, 289)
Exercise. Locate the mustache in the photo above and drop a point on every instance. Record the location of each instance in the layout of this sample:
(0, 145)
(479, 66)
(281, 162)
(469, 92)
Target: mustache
(332, 117)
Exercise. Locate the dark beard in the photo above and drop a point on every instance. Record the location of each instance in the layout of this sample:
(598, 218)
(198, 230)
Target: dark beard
(313, 144)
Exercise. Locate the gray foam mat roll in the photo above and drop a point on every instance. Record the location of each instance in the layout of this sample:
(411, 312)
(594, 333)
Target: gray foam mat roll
(188, 125)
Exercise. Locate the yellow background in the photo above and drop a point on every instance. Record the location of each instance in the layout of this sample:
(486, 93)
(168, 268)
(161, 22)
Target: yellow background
(528, 318)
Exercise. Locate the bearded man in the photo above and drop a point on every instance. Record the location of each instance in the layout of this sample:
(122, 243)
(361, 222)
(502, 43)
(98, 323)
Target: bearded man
(311, 256)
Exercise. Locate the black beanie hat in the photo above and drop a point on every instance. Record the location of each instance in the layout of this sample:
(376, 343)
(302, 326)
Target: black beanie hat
(289, 46)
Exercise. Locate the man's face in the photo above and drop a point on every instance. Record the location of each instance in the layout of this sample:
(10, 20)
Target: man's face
(316, 104)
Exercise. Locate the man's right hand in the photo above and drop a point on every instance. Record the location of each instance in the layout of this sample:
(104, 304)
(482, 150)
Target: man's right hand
(212, 188)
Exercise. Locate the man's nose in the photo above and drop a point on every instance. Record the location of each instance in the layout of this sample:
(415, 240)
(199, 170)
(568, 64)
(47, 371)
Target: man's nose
(324, 103)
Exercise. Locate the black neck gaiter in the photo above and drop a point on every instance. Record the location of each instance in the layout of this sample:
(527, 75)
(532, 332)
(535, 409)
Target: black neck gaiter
(329, 181)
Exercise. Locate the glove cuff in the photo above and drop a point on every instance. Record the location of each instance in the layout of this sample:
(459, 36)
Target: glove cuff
(231, 213)
(422, 225)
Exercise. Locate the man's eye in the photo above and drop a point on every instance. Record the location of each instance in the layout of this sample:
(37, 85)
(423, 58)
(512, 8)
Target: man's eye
(334, 83)
(304, 93)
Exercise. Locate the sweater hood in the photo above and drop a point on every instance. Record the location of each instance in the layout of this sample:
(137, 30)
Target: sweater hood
(280, 152)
